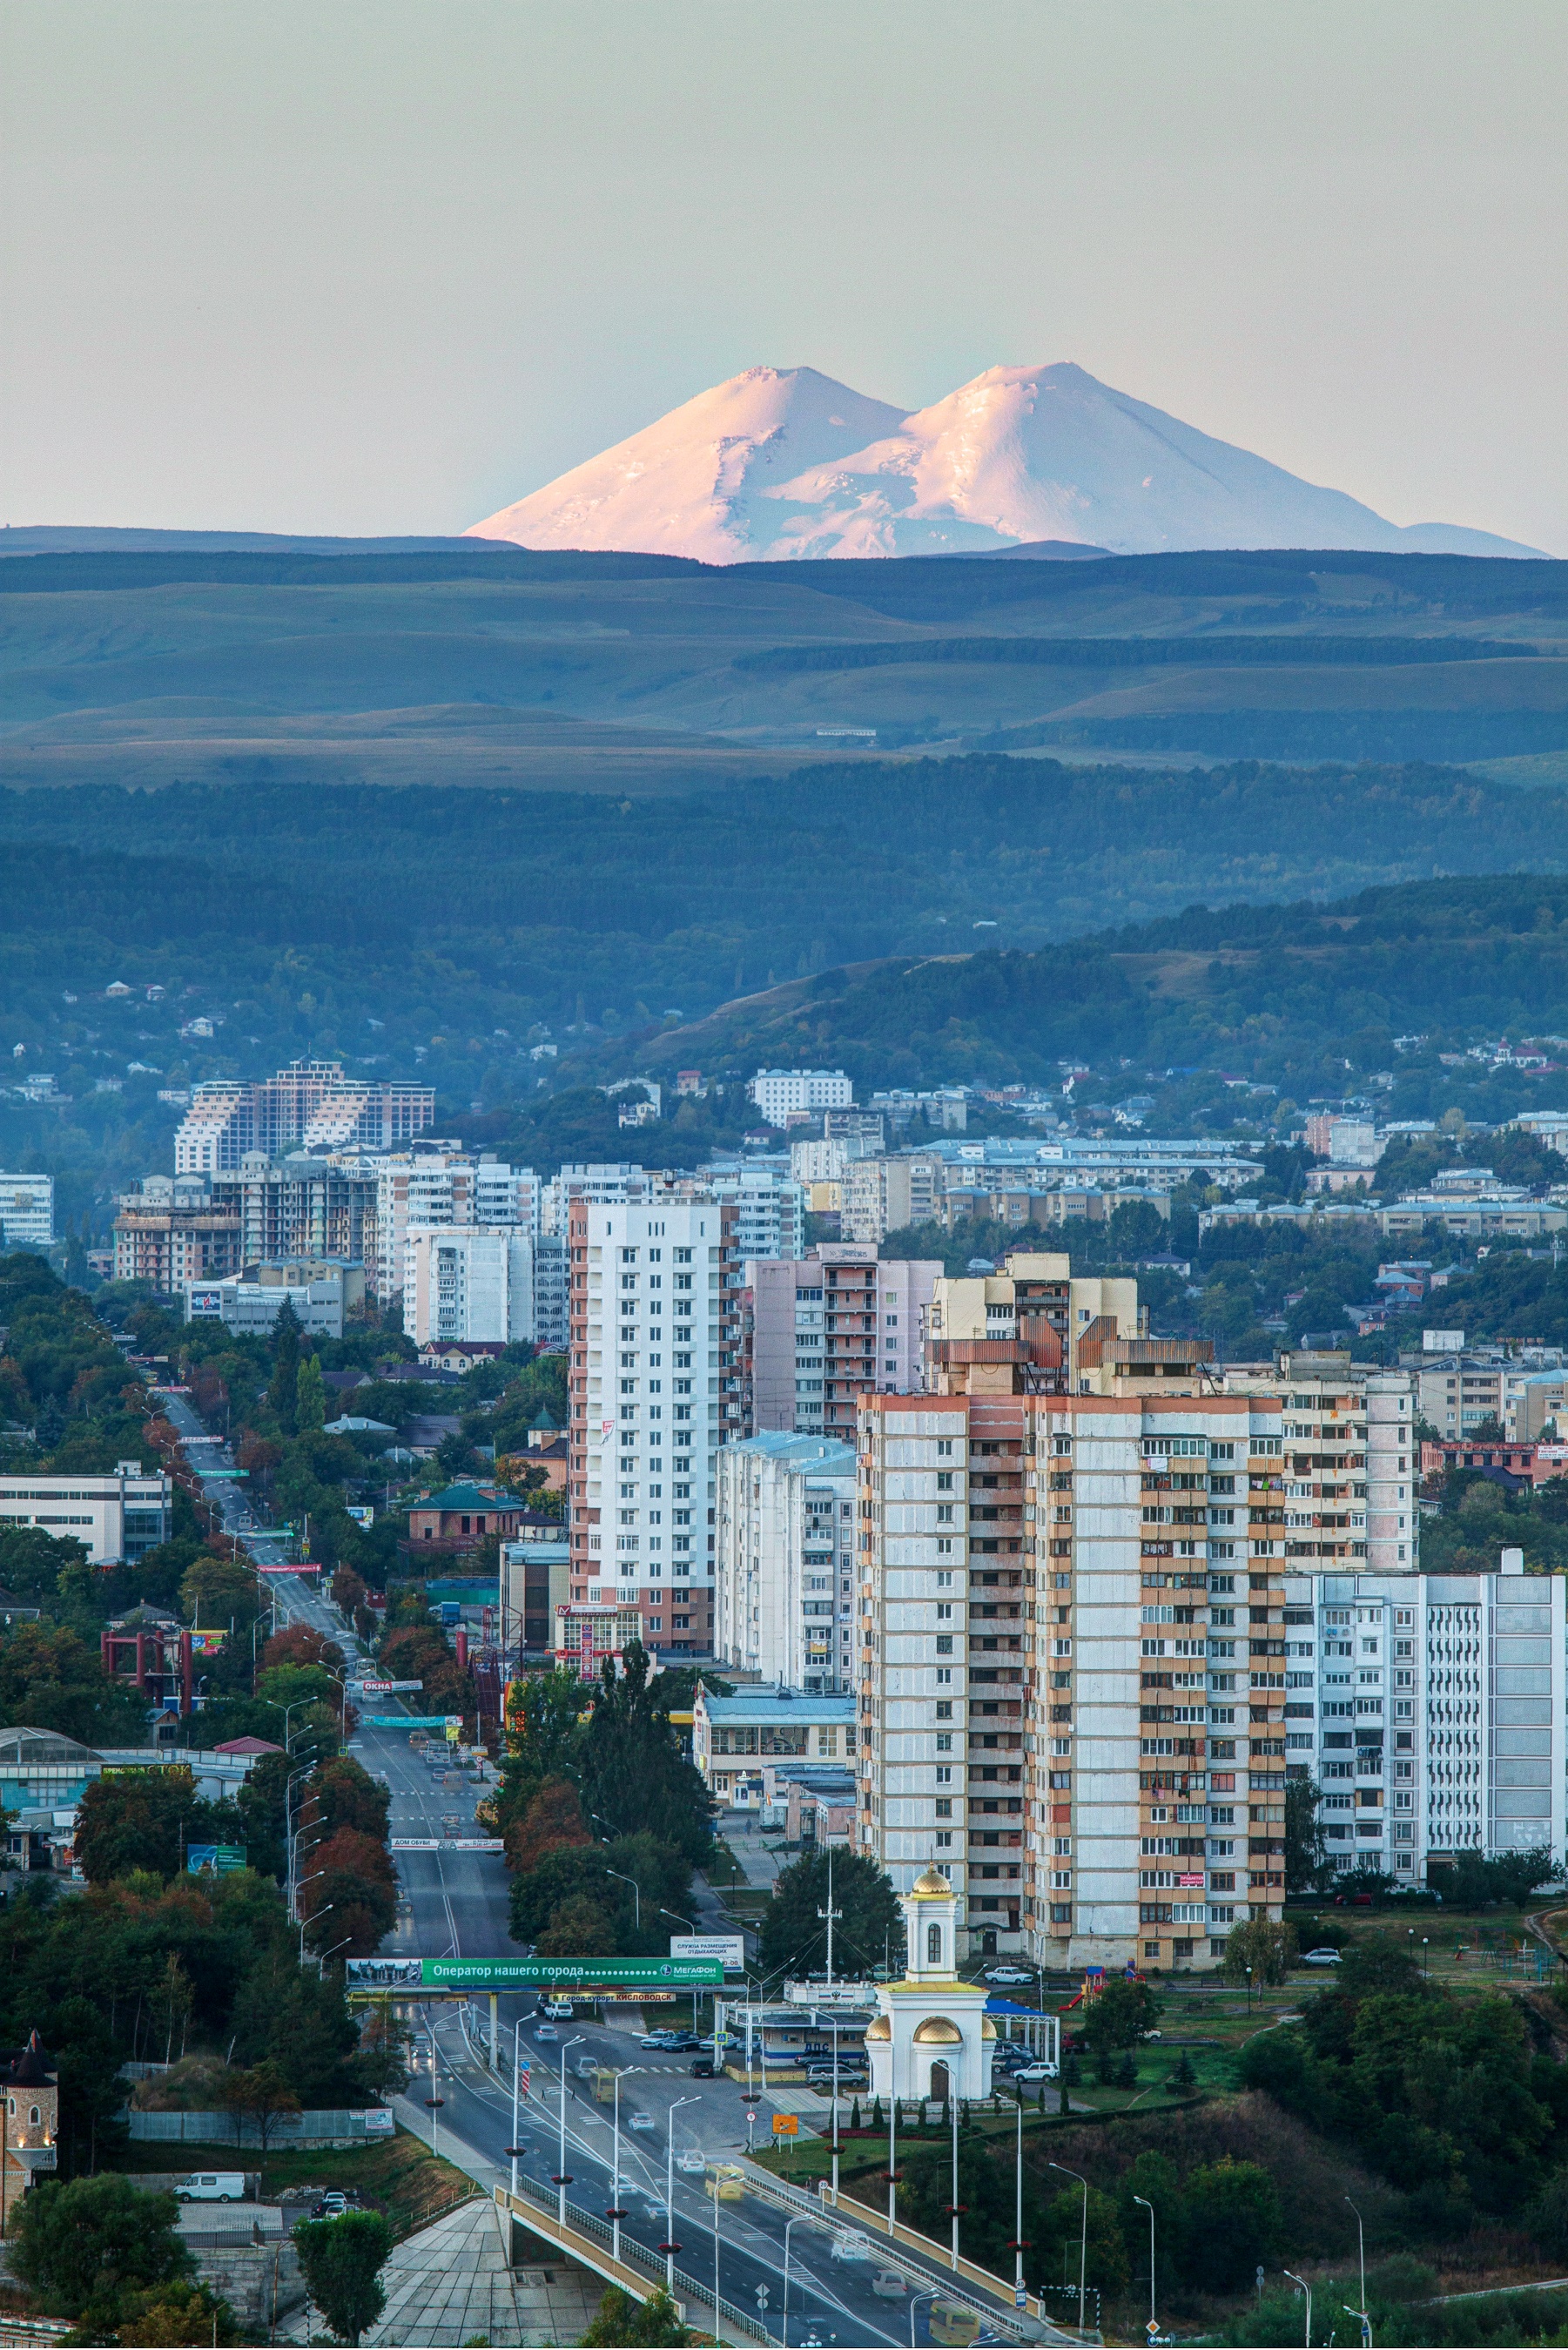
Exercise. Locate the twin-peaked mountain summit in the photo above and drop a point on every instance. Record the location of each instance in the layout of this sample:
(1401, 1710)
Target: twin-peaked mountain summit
(782, 463)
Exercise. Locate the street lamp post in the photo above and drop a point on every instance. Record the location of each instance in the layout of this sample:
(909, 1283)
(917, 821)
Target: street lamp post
(636, 1893)
(1084, 2237)
(1307, 2290)
(562, 2179)
(434, 2100)
(1148, 2207)
(513, 2149)
(1361, 2251)
(615, 2215)
(915, 2301)
(954, 2207)
(1018, 2214)
(892, 2157)
(788, 2225)
(670, 2247)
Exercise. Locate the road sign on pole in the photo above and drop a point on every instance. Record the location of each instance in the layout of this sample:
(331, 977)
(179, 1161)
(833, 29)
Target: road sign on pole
(786, 2124)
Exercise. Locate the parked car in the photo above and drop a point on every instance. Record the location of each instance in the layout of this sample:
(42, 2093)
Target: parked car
(1009, 1975)
(641, 2121)
(1037, 2072)
(1323, 1957)
(658, 2039)
(330, 2206)
(679, 2043)
(560, 2009)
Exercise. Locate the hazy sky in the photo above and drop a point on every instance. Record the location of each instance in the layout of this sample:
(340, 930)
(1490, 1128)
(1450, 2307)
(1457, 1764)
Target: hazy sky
(383, 268)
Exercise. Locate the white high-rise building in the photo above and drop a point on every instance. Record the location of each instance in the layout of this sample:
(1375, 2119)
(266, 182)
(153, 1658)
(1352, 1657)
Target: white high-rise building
(655, 1391)
(1431, 1710)
(424, 1189)
(770, 1208)
(781, 1094)
(468, 1281)
(26, 1211)
(600, 1182)
(785, 1561)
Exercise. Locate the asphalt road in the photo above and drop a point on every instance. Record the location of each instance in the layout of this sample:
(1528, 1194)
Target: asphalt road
(455, 1904)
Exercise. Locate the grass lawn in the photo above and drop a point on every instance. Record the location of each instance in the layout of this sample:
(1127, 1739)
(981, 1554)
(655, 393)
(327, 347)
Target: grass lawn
(397, 2175)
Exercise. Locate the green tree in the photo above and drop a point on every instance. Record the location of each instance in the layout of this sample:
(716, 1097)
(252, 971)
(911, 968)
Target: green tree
(1232, 2221)
(1306, 1854)
(81, 2246)
(259, 2093)
(1120, 2015)
(286, 1337)
(135, 1820)
(1265, 1945)
(309, 1396)
(869, 1930)
(342, 2261)
(622, 2321)
(629, 1767)
(1066, 2230)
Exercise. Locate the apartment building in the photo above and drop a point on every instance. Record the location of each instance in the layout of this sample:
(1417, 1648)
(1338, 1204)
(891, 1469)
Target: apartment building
(887, 1195)
(598, 1181)
(819, 1332)
(1044, 1319)
(301, 1205)
(445, 1186)
(1349, 1467)
(311, 1105)
(473, 1282)
(171, 1231)
(655, 1391)
(116, 1517)
(827, 1160)
(1073, 1652)
(770, 1207)
(784, 1561)
(783, 1094)
(27, 1212)
(1431, 1710)
(1520, 1391)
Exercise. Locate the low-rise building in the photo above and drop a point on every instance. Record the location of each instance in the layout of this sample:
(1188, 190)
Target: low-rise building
(319, 1293)
(734, 1738)
(591, 1633)
(117, 1516)
(536, 1580)
(784, 1582)
(1495, 1216)
(461, 1516)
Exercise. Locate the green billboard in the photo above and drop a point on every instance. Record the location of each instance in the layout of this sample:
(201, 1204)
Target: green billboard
(412, 1976)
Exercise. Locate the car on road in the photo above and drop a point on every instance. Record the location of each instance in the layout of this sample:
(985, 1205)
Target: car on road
(640, 2122)
(1009, 1975)
(950, 2322)
(888, 2284)
(1035, 2072)
(587, 2068)
(852, 2246)
(560, 2009)
(546, 2032)
(690, 2158)
(727, 2181)
(1323, 1957)
(704, 2069)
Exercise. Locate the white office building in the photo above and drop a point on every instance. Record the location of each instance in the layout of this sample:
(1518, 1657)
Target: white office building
(1431, 1710)
(655, 1391)
(27, 1212)
(785, 1586)
(251, 1302)
(468, 1281)
(783, 1094)
(116, 1517)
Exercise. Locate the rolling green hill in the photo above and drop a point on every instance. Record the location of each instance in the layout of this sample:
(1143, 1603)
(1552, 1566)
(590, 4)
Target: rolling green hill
(632, 673)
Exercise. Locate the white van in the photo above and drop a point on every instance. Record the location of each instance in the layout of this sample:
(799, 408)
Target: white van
(213, 2187)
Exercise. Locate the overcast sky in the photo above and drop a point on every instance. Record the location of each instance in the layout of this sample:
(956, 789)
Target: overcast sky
(383, 268)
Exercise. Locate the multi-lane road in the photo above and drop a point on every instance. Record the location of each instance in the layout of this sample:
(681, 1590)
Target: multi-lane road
(455, 1904)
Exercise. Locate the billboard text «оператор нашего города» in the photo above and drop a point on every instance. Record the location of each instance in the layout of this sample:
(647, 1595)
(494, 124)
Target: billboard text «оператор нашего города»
(413, 1975)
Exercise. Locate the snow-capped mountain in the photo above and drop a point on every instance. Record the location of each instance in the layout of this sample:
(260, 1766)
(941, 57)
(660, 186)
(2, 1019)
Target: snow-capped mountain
(781, 463)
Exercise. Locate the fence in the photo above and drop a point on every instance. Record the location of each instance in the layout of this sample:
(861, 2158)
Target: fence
(315, 2127)
(632, 2253)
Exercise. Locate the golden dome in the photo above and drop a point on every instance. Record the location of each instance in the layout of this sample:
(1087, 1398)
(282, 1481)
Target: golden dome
(931, 1887)
(937, 2032)
(987, 2029)
(880, 2029)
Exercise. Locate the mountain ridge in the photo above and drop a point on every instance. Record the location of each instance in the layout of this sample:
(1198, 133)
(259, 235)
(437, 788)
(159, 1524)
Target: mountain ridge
(769, 466)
